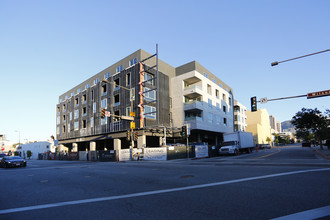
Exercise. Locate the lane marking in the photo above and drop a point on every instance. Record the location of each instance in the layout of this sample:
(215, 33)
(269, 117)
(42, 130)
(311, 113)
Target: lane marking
(109, 198)
(267, 155)
(309, 214)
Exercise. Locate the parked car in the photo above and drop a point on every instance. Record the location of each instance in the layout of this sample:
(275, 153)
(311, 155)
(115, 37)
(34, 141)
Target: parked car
(2, 156)
(306, 144)
(267, 146)
(12, 161)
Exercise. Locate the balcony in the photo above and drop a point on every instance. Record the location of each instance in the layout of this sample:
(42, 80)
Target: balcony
(193, 91)
(191, 105)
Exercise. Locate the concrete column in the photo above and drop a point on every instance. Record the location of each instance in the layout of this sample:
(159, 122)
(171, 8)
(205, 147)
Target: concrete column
(142, 141)
(117, 146)
(160, 141)
(92, 146)
(74, 147)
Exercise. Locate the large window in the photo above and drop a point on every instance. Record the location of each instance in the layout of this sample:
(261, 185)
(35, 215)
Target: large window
(76, 114)
(76, 125)
(94, 107)
(148, 77)
(128, 79)
(148, 110)
(92, 121)
(106, 76)
(149, 95)
(104, 103)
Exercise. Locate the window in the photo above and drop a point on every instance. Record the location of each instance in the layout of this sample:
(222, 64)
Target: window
(103, 103)
(70, 116)
(63, 118)
(94, 107)
(224, 109)
(76, 125)
(210, 117)
(149, 95)
(84, 111)
(104, 90)
(64, 107)
(116, 100)
(87, 86)
(61, 100)
(66, 97)
(206, 75)
(58, 120)
(132, 62)
(229, 99)
(104, 121)
(58, 130)
(225, 121)
(92, 94)
(116, 119)
(78, 90)
(69, 128)
(63, 128)
(210, 102)
(76, 102)
(128, 79)
(128, 110)
(148, 110)
(209, 89)
(58, 110)
(119, 68)
(96, 81)
(117, 83)
(92, 121)
(76, 114)
(217, 94)
(148, 77)
(224, 97)
(72, 93)
(213, 80)
(84, 99)
(106, 76)
(84, 122)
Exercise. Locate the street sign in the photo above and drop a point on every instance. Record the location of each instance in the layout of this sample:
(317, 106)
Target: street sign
(132, 125)
(127, 118)
(318, 94)
(132, 114)
(263, 100)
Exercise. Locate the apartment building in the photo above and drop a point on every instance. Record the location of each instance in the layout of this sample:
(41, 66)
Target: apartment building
(239, 116)
(187, 95)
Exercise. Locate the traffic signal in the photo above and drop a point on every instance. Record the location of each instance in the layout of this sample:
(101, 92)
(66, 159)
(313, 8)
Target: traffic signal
(135, 136)
(184, 131)
(128, 137)
(102, 113)
(254, 104)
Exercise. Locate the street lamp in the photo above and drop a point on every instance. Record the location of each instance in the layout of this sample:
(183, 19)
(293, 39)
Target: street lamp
(277, 62)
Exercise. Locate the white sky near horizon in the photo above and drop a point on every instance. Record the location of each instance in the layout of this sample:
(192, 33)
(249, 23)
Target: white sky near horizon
(49, 46)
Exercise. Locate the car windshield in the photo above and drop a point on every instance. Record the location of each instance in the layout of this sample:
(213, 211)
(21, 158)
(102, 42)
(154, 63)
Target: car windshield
(13, 158)
(229, 143)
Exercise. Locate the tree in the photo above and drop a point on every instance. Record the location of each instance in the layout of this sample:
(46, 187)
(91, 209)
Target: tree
(311, 124)
(28, 154)
(268, 140)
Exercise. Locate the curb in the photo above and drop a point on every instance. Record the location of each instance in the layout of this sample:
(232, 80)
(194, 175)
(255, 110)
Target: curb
(324, 156)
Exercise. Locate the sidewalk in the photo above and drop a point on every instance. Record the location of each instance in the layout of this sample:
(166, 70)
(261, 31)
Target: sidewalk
(325, 153)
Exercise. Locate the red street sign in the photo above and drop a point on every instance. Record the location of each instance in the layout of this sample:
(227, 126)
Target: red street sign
(318, 94)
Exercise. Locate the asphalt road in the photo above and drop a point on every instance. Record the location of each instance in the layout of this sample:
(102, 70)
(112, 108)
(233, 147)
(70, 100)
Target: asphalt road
(263, 185)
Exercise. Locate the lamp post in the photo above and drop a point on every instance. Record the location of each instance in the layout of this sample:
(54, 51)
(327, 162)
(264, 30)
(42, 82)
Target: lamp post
(277, 62)
(131, 93)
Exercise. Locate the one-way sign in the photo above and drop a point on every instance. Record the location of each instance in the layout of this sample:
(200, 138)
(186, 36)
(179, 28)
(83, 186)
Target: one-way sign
(318, 94)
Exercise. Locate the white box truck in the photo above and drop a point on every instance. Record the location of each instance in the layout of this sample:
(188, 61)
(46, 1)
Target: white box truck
(236, 142)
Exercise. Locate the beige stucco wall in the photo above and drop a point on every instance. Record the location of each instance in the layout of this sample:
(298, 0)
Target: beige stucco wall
(258, 124)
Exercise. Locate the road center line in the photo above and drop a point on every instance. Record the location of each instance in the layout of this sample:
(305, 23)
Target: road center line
(267, 155)
(109, 198)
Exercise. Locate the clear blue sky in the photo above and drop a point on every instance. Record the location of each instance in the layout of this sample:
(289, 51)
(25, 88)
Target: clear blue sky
(49, 46)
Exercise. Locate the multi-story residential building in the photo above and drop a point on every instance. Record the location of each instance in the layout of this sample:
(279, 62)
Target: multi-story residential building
(239, 116)
(187, 95)
(272, 122)
(258, 124)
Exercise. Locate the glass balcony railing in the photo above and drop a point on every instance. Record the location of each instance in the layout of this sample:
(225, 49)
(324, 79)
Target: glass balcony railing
(193, 87)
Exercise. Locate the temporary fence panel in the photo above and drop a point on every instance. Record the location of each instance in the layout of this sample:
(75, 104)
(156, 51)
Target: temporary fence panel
(107, 155)
(83, 155)
(201, 151)
(159, 153)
